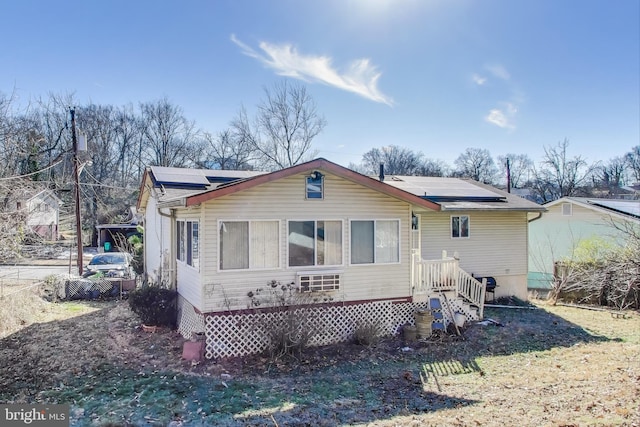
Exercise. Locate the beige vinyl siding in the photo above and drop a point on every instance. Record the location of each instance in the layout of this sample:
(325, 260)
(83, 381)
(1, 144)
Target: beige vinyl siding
(285, 200)
(188, 277)
(496, 246)
(157, 232)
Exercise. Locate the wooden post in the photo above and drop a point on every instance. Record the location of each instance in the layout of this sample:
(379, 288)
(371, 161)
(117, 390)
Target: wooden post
(76, 176)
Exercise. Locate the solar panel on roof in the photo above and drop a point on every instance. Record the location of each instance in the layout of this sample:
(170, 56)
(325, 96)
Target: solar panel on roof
(443, 188)
(630, 207)
(167, 175)
(183, 177)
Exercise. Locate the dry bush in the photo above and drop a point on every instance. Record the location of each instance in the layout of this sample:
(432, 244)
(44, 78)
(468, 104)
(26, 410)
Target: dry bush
(299, 317)
(368, 332)
(610, 277)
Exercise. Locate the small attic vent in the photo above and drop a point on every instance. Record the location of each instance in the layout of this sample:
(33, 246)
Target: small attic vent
(319, 282)
(567, 209)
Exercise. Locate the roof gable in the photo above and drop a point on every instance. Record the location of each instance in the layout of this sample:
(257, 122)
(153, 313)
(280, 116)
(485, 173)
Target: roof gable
(620, 207)
(321, 165)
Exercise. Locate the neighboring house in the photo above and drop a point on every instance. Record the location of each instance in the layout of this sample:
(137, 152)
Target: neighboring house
(41, 209)
(569, 221)
(374, 247)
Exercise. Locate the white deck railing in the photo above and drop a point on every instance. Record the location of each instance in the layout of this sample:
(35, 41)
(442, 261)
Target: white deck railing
(441, 275)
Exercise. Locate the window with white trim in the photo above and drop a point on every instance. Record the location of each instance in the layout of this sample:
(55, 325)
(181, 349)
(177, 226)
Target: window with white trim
(315, 243)
(249, 245)
(193, 243)
(375, 241)
(180, 233)
(460, 226)
(315, 186)
(188, 242)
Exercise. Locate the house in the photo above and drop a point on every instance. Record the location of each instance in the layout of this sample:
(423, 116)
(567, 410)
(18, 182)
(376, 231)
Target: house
(373, 247)
(568, 222)
(41, 209)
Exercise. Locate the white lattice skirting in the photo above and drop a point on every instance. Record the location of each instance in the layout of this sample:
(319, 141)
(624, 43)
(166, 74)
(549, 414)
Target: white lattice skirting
(240, 334)
(189, 322)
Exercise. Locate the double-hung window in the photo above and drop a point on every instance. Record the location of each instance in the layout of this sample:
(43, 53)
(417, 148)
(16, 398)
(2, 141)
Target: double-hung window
(460, 226)
(188, 242)
(249, 245)
(375, 241)
(315, 243)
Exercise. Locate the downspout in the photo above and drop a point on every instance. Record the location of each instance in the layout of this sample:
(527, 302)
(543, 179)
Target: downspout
(536, 218)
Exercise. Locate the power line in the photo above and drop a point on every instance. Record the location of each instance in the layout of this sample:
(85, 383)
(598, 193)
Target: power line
(32, 173)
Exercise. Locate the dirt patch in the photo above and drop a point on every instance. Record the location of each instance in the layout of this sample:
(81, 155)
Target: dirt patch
(550, 366)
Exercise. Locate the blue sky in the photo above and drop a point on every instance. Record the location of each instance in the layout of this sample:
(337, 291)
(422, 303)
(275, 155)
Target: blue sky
(433, 76)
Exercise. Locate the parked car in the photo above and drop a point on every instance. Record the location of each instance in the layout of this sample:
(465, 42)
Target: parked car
(111, 264)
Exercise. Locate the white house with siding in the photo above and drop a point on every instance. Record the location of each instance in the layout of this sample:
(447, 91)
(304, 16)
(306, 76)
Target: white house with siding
(570, 221)
(375, 247)
(41, 209)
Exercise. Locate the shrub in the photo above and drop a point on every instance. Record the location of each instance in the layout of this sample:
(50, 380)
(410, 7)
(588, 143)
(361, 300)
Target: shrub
(297, 317)
(155, 306)
(368, 332)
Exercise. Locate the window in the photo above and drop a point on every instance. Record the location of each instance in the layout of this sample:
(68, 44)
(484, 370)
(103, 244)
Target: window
(188, 242)
(249, 245)
(315, 186)
(314, 243)
(460, 226)
(375, 242)
(567, 209)
(193, 244)
(180, 240)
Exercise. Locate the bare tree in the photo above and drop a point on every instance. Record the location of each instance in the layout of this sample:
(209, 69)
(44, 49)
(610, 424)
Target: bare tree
(284, 128)
(633, 161)
(476, 163)
(610, 176)
(170, 139)
(129, 146)
(520, 166)
(559, 175)
(399, 161)
(396, 160)
(431, 167)
(228, 151)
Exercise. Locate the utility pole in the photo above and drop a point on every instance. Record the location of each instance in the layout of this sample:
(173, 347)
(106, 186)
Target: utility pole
(76, 176)
(508, 176)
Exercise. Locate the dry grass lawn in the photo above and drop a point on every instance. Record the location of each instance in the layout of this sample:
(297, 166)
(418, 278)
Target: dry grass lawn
(552, 366)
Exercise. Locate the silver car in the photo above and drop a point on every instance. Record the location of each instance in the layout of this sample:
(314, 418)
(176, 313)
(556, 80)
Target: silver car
(111, 264)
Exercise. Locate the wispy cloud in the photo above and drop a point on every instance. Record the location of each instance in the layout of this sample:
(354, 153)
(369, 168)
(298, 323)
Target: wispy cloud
(498, 71)
(478, 79)
(359, 77)
(504, 117)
